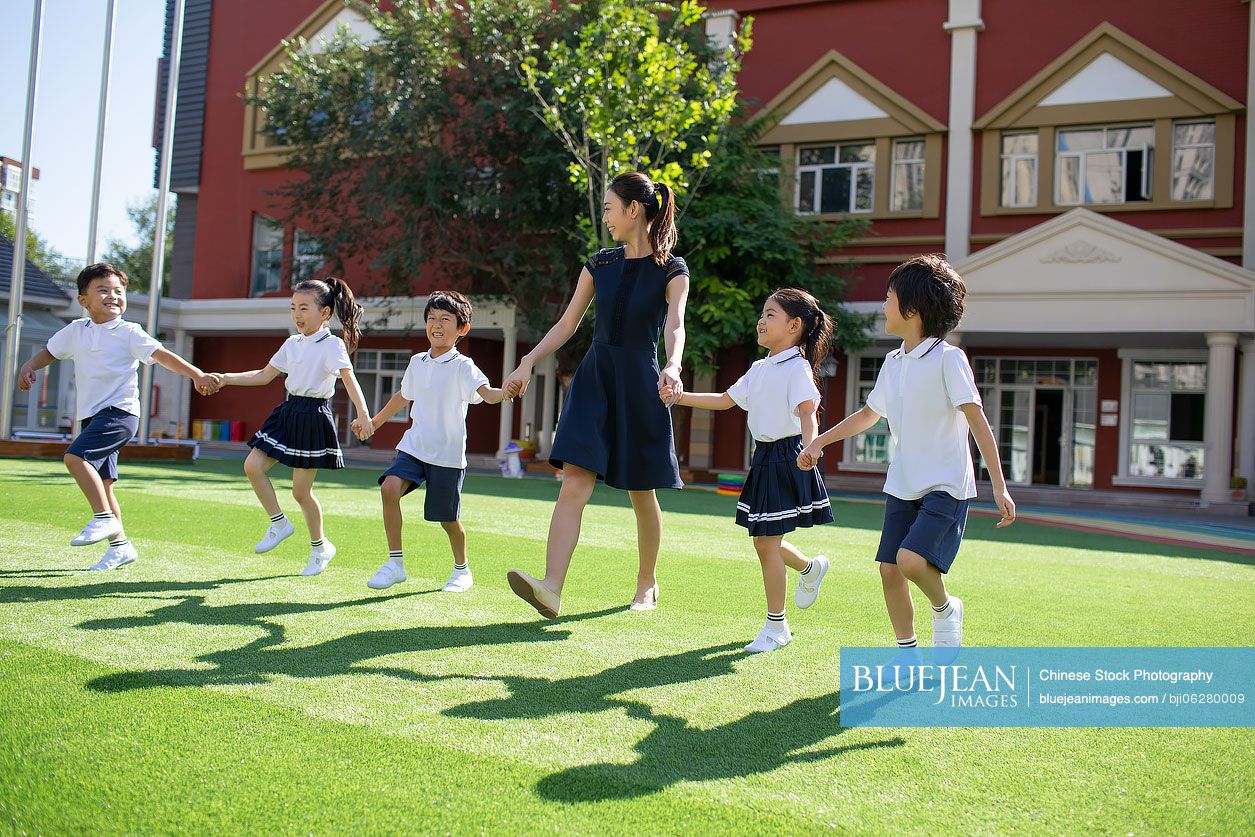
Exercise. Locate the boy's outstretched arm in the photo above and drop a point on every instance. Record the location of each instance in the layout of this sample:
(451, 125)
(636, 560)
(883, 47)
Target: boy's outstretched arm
(855, 423)
(984, 437)
(26, 377)
(492, 395)
(387, 411)
(700, 400)
(179, 366)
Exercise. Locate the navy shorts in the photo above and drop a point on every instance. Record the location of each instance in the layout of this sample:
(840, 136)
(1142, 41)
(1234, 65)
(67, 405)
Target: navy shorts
(931, 526)
(102, 436)
(444, 485)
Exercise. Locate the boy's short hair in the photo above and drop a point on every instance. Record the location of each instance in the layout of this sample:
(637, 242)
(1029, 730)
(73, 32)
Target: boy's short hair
(927, 285)
(453, 302)
(98, 271)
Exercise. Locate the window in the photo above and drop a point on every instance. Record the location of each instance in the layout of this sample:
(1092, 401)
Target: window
(872, 447)
(307, 256)
(1193, 161)
(379, 373)
(768, 167)
(267, 254)
(1166, 438)
(1019, 169)
(836, 178)
(1104, 165)
(908, 175)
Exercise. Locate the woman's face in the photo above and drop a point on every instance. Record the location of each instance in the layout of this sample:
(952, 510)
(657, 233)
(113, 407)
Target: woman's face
(621, 220)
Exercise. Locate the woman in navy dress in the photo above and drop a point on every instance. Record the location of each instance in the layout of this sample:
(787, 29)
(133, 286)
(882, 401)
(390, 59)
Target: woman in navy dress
(613, 426)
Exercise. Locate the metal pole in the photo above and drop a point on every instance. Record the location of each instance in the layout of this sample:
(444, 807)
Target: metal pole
(159, 233)
(100, 135)
(18, 277)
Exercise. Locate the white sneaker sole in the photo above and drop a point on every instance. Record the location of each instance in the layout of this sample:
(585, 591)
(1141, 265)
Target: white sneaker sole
(122, 563)
(78, 539)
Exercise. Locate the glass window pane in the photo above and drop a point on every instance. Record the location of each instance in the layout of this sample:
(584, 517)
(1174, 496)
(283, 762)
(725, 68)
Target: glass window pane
(1069, 179)
(1193, 173)
(864, 188)
(267, 254)
(834, 193)
(1013, 435)
(1136, 137)
(1104, 177)
(908, 150)
(862, 153)
(1151, 412)
(1187, 417)
(1025, 182)
(1019, 144)
(816, 156)
(1083, 410)
(1194, 133)
(1080, 140)
(908, 186)
(307, 256)
(806, 192)
(365, 360)
(1166, 460)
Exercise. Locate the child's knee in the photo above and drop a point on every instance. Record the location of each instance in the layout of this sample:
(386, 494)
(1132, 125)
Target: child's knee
(890, 574)
(767, 547)
(452, 527)
(392, 488)
(72, 461)
(302, 493)
(253, 467)
(911, 564)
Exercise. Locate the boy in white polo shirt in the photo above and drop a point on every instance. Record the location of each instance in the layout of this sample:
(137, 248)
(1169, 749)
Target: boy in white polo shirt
(440, 383)
(927, 392)
(106, 351)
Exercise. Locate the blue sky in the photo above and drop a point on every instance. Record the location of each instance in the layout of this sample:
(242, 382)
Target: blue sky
(65, 116)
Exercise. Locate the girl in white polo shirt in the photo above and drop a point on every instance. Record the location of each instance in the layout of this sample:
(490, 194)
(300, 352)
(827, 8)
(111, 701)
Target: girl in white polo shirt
(782, 400)
(301, 432)
(439, 383)
(927, 392)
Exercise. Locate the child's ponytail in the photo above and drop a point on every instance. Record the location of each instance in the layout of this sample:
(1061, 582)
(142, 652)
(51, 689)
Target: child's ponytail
(333, 293)
(816, 325)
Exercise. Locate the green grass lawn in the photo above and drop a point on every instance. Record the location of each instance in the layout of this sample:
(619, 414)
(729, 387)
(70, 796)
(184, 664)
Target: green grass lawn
(205, 688)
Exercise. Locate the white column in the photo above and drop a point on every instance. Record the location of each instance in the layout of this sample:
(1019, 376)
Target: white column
(1218, 430)
(1246, 417)
(1248, 205)
(963, 25)
(508, 361)
(550, 371)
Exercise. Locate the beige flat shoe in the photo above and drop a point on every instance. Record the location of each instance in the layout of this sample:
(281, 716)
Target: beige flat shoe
(651, 600)
(536, 594)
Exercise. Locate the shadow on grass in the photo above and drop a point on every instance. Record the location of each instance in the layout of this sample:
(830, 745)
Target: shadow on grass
(108, 589)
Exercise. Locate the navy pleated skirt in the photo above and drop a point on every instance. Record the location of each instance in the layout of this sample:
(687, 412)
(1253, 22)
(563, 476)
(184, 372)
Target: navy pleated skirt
(779, 497)
(300, 433)
(613, 422)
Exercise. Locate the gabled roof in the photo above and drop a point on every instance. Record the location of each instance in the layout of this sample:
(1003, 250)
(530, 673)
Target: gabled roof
(36, 284)
(1132, 73)
(837, 99)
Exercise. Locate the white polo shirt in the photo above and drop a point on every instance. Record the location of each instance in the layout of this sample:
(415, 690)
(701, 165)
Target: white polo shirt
(106, 357)
(440, 389)
(920, 394)
(772, 391)
(312, 363)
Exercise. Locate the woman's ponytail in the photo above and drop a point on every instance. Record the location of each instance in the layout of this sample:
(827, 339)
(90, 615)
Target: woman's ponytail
(659, 203)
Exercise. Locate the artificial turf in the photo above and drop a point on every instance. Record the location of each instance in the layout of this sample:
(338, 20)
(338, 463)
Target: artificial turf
(206, 689)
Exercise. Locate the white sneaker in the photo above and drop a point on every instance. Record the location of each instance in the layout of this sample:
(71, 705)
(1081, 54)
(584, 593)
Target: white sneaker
(770, 639)
(96, 530)
(116, 556)
(319, 558)
(948, 632)
(808, 585)
(389, 574)
(459, 582)
(275, 534)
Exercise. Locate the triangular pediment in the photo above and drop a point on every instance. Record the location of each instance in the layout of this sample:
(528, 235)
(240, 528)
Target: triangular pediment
(1091, 267)
(837, 99)
(1105, 67)
(316, 30)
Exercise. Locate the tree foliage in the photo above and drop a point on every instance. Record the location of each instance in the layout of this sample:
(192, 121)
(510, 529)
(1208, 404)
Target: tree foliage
(136, 260)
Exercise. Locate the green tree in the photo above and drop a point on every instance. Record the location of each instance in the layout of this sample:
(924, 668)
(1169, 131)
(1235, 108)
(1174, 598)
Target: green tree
(742, 241)
(136, 260)
(633, 86)
(38, 251)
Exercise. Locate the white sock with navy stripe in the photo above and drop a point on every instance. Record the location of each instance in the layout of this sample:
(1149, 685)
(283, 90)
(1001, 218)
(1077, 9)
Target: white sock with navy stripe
(278, 518)
(459, 567)
(909, 642)
(394, 557)
(809, 564)
(775, 621)
(945, 610)
(120, 540)
(317, 544)
(104, 515)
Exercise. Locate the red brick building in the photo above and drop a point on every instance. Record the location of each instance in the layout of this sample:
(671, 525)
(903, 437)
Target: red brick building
(1084, 165)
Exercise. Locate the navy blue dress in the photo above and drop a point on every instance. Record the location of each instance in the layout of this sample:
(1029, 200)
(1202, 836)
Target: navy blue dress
(613, 423)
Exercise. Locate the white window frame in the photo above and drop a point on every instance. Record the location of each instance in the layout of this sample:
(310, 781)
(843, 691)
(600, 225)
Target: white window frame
(1127, 358)
(253, 289)
(1013, 159)
(378, 373)
(897, 165)
(1211, 195)
(818, 170)
(1148, 164)
(852, 401)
